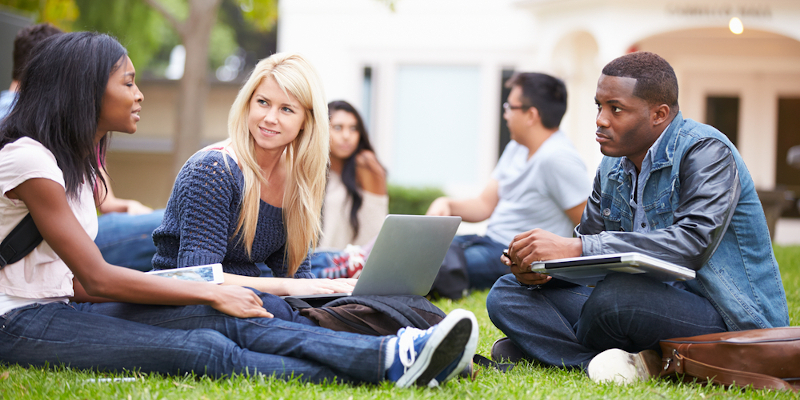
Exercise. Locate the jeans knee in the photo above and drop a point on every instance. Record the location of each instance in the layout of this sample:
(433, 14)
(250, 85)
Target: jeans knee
(498, 301)
(615, 308)
(208, 352)
(616, 292)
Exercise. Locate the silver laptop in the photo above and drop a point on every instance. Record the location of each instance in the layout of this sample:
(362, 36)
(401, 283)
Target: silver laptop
(589, 270)
(405, 258)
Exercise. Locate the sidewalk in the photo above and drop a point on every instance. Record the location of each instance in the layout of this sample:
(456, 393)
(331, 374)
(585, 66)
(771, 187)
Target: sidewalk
(787, 232)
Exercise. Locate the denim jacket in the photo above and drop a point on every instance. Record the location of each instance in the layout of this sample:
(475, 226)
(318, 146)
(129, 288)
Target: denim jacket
(704, 213)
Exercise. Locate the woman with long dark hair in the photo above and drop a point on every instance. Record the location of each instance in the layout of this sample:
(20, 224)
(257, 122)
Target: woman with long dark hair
(356, 201)
(77, 88)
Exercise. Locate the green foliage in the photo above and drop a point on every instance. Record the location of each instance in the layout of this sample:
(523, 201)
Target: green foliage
(146, 34)
(222, 44)
(140, 28)
(60, 13)
(261, 14)
(412, 201)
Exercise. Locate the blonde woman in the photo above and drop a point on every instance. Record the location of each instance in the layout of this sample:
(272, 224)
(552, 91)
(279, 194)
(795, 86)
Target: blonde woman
(257, 196)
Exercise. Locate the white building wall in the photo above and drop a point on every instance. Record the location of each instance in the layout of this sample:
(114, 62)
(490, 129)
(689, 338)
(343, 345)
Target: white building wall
(571, 39)
(344, 36)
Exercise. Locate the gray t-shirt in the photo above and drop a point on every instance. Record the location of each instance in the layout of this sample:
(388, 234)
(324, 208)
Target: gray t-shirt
(535, 192)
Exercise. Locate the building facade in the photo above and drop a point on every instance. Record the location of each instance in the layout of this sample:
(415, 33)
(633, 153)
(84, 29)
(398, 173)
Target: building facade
(428, 74)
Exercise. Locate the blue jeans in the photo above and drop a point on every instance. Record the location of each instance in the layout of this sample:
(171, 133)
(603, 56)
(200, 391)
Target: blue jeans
(183, 339)
(319, 260)
(127, 240)
(483, 260)
(562, 324)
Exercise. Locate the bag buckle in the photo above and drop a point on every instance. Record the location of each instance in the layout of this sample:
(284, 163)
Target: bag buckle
(677, 357)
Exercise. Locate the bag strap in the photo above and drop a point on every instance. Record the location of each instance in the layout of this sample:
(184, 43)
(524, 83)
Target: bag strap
(295, 303)
(485, 362)
(397, 310)
(21, 241)
(684, 365)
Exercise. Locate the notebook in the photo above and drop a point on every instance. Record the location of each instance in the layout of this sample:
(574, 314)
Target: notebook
(405, 258)
(590, 269)
(200, 273)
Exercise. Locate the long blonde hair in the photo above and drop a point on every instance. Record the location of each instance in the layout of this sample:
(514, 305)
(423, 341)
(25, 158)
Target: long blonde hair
(307, 156)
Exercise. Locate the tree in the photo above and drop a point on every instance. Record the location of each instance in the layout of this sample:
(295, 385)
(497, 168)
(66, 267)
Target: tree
(192, 20)
(195, 32)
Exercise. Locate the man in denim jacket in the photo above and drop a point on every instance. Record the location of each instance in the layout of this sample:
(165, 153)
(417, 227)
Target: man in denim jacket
(667, 187)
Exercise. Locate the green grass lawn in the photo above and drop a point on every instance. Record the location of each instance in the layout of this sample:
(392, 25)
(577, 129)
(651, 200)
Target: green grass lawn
(524, 382)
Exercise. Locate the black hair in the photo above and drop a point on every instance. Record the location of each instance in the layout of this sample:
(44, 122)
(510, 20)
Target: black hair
(27, 38)
(60, 95)
(656, 82)
(545, 93)
(349, 168)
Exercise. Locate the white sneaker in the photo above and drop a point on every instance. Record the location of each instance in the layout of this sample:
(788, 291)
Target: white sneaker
(619, 366)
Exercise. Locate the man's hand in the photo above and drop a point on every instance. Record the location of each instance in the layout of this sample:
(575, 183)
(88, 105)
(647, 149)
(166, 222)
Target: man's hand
(538, 245)
(440, 207)
(524, 275)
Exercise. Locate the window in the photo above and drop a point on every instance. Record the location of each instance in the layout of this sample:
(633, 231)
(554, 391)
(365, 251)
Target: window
(723, 113)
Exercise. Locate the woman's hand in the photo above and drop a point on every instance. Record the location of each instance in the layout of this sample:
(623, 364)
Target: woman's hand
(369, 173)
(239, 302)
(298, 287)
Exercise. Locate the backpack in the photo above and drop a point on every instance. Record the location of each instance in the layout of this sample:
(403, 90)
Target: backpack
(371, 315)
(452, 280)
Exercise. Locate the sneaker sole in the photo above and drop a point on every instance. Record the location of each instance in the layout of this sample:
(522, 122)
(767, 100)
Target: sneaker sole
(466, 357)
(444, 345)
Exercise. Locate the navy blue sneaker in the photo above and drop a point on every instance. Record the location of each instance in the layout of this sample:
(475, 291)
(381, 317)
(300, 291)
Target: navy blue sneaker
(423, 356)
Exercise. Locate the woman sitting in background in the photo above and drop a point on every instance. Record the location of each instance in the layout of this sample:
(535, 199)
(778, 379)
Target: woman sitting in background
(355, 197)
(356, 201)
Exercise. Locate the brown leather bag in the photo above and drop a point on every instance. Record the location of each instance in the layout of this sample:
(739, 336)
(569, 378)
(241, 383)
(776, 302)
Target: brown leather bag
(764, 358)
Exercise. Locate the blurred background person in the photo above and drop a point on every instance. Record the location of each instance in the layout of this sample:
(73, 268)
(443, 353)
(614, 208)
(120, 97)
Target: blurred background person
(356, 199)
(540, 181)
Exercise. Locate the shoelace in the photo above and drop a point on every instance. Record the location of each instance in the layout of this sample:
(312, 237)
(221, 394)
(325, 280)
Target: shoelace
(405, 346)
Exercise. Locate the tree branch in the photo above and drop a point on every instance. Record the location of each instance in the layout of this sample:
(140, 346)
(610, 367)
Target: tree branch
(178, 25)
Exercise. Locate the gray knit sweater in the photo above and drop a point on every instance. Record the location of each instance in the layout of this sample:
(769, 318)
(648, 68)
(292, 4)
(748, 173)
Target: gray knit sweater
(201, 217)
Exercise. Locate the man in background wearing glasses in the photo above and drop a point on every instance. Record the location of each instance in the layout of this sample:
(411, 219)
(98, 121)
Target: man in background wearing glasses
(540, 181)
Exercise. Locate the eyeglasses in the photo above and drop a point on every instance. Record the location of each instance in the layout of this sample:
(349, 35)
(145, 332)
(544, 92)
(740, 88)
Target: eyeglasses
(507, 107)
